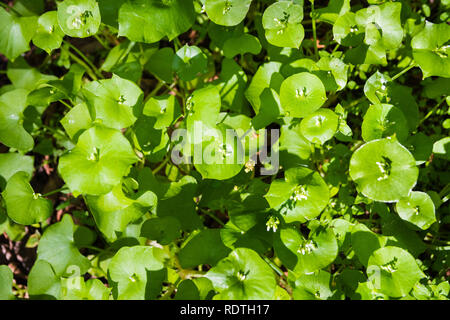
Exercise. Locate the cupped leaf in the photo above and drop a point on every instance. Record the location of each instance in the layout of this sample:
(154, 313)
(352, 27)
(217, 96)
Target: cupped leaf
(189, 62)
(245, 43)
(57, 247)
(302, 94)
(160, 64)
(165, 109)
(418, 209)
(421, 147)
(15, 34)
(383, 170)
(100, 159)
(243, 275)
(77, 120)
(43, 283)
(151, 20)
(114, 211)
(79, 18)
(393, 271)
(116, 101)
(131, 271)
(75, 288)
(315, 286)
(227, 12)
(48, 34)
(23, 205)
(431, 49)
(11, 163)
(302, 196)
(319, 126)
(282, 23)
(384, 120)
(12, 132)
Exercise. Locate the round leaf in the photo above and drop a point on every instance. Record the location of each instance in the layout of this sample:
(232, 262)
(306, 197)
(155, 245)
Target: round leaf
(384, 120)
(320, 126)
(79, 18)
(418, 209)
(48, 34)
(227, 12)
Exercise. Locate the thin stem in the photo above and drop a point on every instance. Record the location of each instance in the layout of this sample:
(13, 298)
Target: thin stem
(55, 191)
(335, 48)
(212, 216)
(158, 168)
(81, 54)
(100, 40)
(313, 18)
(274, 267)
(66, 104)
(83, 64)
(412, 65)
(4, 5)
(432, 111)
(155, 90)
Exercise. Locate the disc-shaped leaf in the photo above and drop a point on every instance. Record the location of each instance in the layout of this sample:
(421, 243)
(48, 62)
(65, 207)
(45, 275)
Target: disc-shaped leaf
(12, 132)
(116, 101)
(23, 205)
(282, 23)
(227, 12)
(431, 50)
(245, 43)
(306, 255)
(319, 126)
(421, 147)
(79, 18)
(57, 247)
(11, 163)
(189, 62)
(165, 109)
(383, 170)
(114, 211)
(77, 120)
(15, 34)
(301, 94)
(384, 120)
(243, 275)
(151, 20)
(100, 159)
(393, 271)
(48, 34)
(315, 286)
(75, 288)
(48, 289)
(302, 196)
(130, 269)
(418, 209)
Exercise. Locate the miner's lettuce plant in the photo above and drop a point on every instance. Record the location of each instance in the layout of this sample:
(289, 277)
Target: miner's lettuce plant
(224, 149)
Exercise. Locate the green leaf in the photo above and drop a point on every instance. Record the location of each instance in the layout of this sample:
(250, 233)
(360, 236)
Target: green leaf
(162, 230)
(11, 163)
(77, 120)
(131, 271)
(6, 282)
(206, 247)
(79, 18)
(320, 126)
(243, 275)
(245, 43)
(365, 242)
(334, 9)
(48, 34)
(189, 62)
(431, 50)
(269, 110)
(116, 101)
(282, 23)
(393, 271)
(421, 147)
(302, 196)
(43, 283)
(267, 76)
(23, 205)
(114, 211)
(302, 94)
(306, 255)
(165, 109)
(418, 209)
(160, 64)
(315, 286)
(57, 247)
(100, 159)
(15, 34)
(384, 120)
(12, 132)
(151, 20)
(383, 170)
(75, 288)
(227, 12)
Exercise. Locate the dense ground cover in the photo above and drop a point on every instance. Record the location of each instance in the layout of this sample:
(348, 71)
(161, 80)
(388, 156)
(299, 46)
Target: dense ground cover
(224, 149)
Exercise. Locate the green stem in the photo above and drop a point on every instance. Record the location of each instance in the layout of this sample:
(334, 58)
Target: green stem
(88, 62)
(4, 5)
(313, 19)
(412, 65)
(432, 111)
(55, 191)
(155, 90)
(84, 65)
(158, 168)
(274, 267)
(66, 104)
(100, 40)
(212, 216)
